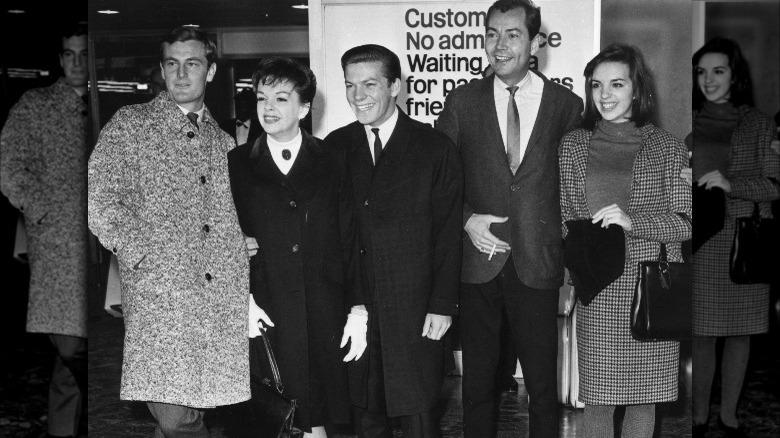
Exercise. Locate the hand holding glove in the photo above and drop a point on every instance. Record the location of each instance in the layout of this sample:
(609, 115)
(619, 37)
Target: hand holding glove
(256, 315)
(355, 330)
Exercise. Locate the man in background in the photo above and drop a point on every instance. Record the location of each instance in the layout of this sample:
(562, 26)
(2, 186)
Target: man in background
(43, 172)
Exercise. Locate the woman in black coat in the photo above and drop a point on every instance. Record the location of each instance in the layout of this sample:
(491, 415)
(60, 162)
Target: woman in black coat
(295, 199)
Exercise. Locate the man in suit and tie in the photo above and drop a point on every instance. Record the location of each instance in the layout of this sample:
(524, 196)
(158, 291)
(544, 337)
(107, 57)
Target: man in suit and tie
(408, 182)
(245, 128)
(507, 127)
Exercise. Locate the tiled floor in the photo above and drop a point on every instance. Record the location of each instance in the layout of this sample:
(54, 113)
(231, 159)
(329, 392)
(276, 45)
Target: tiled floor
(110, 417)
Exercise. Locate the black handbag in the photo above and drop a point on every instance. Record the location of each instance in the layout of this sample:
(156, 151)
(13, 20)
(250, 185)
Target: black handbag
(661, 308)
(754, 252)
(269, 413)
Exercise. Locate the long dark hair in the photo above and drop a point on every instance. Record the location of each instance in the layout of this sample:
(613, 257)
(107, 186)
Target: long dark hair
(741, 86)
(643, 106)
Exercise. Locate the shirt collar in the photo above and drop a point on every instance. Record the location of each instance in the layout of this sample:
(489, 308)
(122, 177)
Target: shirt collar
(500, 87)
(386, 128)
(198, 112)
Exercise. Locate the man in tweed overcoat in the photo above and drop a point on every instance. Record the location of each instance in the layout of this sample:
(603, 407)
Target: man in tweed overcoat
(43, 164)
(159, 198)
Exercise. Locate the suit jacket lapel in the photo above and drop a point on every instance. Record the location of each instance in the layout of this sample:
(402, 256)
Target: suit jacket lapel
(546, 113)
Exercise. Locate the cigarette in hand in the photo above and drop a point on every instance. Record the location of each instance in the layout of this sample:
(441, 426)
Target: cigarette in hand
(492, 251)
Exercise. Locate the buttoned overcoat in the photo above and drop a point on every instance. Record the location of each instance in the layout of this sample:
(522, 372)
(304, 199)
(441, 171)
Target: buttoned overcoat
(159, 198)
(616, 369)
(43, 172)
(409, 206)
(306, 273)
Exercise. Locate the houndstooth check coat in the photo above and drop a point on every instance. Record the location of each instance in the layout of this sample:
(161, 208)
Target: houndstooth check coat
(720, 306)
(615, 369)
(43, 172)
(159, 198)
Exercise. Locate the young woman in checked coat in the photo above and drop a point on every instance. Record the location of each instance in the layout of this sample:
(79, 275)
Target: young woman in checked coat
(620, 169)
(731, 151)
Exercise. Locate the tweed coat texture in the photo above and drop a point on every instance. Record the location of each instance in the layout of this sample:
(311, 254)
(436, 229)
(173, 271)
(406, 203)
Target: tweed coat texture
(409, 208)
(720, 306)
(528, 198)
(43, 172)
(306, 274)
(159, 198)
(615, 369)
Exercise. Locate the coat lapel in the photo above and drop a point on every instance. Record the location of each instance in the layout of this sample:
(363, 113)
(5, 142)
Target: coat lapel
(487, 106)
(396, 146)
(263, 163)
(543, 117)
(306, 171)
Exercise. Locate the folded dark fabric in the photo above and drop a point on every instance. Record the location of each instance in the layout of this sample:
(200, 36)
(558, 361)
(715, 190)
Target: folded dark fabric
(594, 256)
(709, 212)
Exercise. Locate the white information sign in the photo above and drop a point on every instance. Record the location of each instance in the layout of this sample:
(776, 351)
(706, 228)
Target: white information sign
(441, 46)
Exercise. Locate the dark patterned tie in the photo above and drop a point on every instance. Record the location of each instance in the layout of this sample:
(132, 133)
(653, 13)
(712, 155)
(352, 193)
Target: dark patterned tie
(377, 145)
(193, 119)
(513, 131)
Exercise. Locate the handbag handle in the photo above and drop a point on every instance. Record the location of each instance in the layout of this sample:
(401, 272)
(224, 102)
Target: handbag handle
(663, 269)
(274, 367)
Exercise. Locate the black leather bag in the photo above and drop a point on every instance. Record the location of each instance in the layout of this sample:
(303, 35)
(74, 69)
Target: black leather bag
(754, 252)
(661, 309)
(269, 413)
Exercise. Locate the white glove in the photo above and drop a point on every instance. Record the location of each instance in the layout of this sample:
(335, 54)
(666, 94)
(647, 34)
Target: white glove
(355, 330)
(256, 315)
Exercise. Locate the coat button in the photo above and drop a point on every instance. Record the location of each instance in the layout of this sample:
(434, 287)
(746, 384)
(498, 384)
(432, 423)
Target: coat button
(202, 179)
(365, 204)
(190, 134)
(295, 248)
(293, 204)
(113, 250)
(208, 276)
(362, 251)
(206, 228)
(514, 188)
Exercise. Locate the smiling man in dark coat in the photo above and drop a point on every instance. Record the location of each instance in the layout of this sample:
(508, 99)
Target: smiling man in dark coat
(408, 184)
(507, 127)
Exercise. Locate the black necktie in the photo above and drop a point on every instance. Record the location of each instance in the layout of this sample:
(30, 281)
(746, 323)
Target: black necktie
(377, 145)
(193, 119)
(513, 131)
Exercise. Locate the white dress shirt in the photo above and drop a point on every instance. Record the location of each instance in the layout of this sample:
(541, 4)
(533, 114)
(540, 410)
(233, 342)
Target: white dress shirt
(385, 131)
(276, 148)
(528, 98)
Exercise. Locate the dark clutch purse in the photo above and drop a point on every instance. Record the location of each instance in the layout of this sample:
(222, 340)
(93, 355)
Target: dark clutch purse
(661, 308)
(269, 413)
(754, 252)
(594, 256)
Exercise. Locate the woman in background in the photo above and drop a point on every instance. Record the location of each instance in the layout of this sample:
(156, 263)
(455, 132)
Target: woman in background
(295, 200)
(730, 151)
(620, 169)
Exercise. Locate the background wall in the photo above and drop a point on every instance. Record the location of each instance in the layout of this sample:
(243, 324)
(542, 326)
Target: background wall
(661, 29)
(754, 26)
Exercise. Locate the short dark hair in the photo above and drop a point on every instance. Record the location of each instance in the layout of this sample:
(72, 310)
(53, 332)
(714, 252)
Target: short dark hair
(741, 87)
(643, 98)
(188, 33)
(278, 69)
(533, 15)
(71, 29)
(391, 65)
